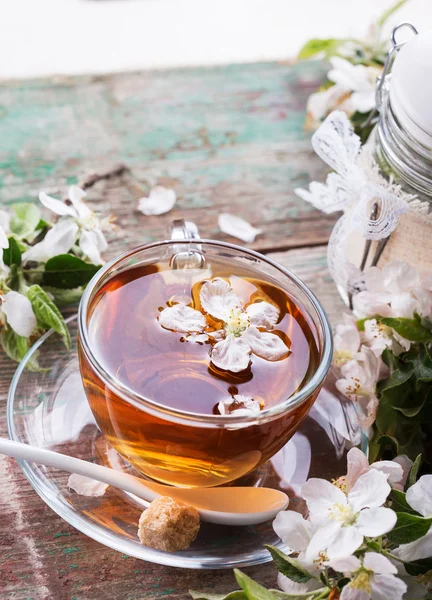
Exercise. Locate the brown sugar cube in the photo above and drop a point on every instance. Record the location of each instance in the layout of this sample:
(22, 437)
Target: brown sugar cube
(168, 525)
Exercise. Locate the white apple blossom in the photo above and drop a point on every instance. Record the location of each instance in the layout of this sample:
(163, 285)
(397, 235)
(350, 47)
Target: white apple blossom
(347, 341)
(296, 532)
(358, 465)
(359, 80)
(344, 519)
(77, 222)
(358, 383)
(377, 336)
(321, 103)
(243, 329)
(372, 578)
(239, 405)
(396, 290)
(419, 497)
(17, 312)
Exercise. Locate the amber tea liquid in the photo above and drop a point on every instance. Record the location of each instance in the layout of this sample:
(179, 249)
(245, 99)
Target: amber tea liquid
(161, 365)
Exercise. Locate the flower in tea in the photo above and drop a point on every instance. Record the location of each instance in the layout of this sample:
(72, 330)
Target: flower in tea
(238, 406)
(79, 222)
(243, 330)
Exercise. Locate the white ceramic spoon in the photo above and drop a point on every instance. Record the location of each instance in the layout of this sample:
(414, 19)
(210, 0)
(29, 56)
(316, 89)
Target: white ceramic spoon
(223, 505)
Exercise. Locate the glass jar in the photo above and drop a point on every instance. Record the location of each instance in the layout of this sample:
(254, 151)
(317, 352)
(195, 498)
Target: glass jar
(401, 145)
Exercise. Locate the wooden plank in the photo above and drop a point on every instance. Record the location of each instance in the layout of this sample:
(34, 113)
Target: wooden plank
(227, 139)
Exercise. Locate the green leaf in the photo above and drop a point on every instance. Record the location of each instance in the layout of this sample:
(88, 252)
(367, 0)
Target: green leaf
(418, 567)
(252, 589)
(67, 272)
(409, 528)
(410, 329)
(396, 378)
(12, 255)
(65, 297)
(25, 219)
(413, 474)
(47, 313)
(315, 46)
(399, 503)
(237, 595)
(255, 591)
(16, 347)
(421, 363)
(390, 11)
(289, 567)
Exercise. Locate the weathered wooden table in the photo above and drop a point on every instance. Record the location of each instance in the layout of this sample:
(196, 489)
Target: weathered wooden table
(226, 139)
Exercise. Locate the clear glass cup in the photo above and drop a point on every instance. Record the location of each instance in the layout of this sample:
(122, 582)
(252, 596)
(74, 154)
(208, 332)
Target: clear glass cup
(185, 448)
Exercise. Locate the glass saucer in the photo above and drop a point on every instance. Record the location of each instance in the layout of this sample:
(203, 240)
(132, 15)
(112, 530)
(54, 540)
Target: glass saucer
(49, 409)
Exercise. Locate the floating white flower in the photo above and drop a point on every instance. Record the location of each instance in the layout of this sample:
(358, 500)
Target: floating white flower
(239, 405)
(16, 310)
(344, 519)
(358, 383)
(419, 497)
(159, 201)
(78, 222)
(243, 329)
(372, 578)
(238, 227)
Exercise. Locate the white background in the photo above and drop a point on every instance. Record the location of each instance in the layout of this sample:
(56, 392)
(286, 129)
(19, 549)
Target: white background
(44, 37)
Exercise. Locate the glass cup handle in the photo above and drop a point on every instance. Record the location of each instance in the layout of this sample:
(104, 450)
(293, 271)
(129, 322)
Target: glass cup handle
(186, 256)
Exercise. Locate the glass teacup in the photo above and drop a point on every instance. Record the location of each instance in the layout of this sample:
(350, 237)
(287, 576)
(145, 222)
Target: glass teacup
(162, 432)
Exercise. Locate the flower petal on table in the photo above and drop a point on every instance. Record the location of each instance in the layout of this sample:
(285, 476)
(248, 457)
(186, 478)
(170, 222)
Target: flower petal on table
(159, 201)
(218, 298)
(264, 344)
(57, 206)
(182, 318)
(237, 227)
(263, 314)
(85, 486)
(19, 313)
(231, 354)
